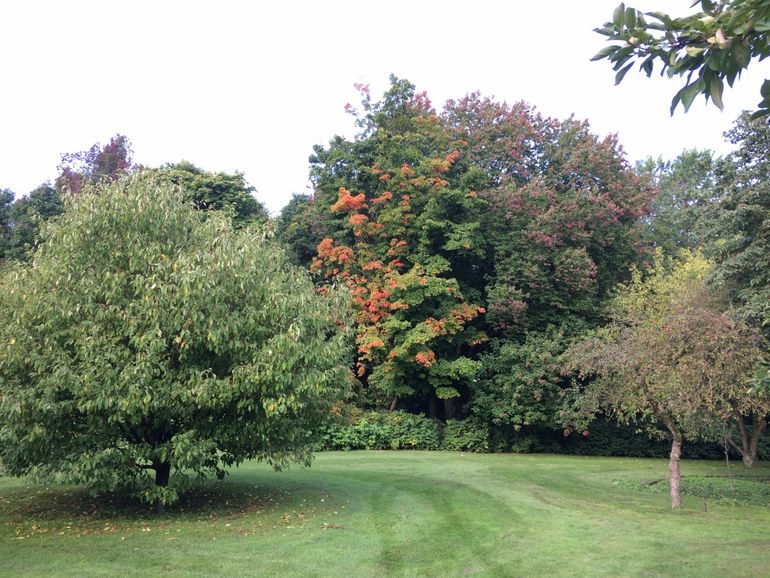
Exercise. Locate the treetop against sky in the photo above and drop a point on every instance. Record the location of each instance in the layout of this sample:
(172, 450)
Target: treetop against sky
(252, 87)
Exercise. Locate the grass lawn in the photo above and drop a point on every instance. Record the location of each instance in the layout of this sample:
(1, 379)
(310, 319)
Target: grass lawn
(364, 514)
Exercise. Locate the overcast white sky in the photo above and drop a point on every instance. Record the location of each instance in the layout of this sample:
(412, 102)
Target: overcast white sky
(252, 86)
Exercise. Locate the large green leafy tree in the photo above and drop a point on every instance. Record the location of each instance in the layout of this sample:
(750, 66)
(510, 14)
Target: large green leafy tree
(28, 214)
(566, 235)
(150, 338)
(686, 192)
(300, 228)
(403, 226)
(740, 226)
(6, 204)
(216, 191)
(707, 47)
(562, 226)
(673, 359)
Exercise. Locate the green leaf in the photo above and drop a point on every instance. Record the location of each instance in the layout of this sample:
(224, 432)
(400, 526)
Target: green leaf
(765, 90)
(690, 92)
(715, 60)
(715, 91)
(686, 95)
(630, 18)
(619, 15)
(741, 54)
(662, 16)
(741, 29)
(647, 65)
(605, 52)
(621, 73)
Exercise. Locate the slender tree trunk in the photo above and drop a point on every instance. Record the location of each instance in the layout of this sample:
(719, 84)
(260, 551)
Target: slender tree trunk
(393, 405)
(673, 468)
(432, 411)
(162, 475)
(745, 449)
(450, 409)
(675, 476)
(760, 423)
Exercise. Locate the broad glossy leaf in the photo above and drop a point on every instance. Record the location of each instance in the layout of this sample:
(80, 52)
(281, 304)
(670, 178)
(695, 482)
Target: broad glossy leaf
(621, 73)
(619, 15)
(715, 91)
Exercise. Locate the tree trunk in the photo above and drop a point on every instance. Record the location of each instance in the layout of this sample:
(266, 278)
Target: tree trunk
(393, 405)
(749, 448)
(760, 423)
(673, 468)
(750, 461)
(432, 411)
(675, 477)
(450, 409)
(162, 475)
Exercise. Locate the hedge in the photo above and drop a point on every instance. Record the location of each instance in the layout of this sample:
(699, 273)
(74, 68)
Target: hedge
(400, 430)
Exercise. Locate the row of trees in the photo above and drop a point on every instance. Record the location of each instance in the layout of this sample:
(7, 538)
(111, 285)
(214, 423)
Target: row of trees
(500, 267)
(485, 245)
(22, 217)
(461, 232)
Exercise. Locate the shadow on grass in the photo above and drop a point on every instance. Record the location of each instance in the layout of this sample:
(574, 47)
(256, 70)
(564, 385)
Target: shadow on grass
(71, 508)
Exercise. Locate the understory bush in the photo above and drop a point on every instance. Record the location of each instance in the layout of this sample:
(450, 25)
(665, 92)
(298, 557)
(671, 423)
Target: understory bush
(374, 430)
(401, 430)
(604, 437)
(465, 435)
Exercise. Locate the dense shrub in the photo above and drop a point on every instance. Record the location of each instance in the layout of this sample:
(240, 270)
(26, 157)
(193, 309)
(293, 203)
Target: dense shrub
(465, 436)
(397, 430)
(400, 430)
(408, 431)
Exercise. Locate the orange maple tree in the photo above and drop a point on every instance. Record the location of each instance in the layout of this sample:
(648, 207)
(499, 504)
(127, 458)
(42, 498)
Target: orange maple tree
(403, 235)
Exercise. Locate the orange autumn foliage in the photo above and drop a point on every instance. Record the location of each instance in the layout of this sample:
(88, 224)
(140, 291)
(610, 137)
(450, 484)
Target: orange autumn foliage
(348, 202)
(425, 358)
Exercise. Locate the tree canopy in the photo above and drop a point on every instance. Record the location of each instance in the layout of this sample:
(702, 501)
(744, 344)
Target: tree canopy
(673, 358)
(147, 335)
(484, 220)
(216, 191)
(99, 163)
(708, 47)
(687, 190)
(403, 217)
